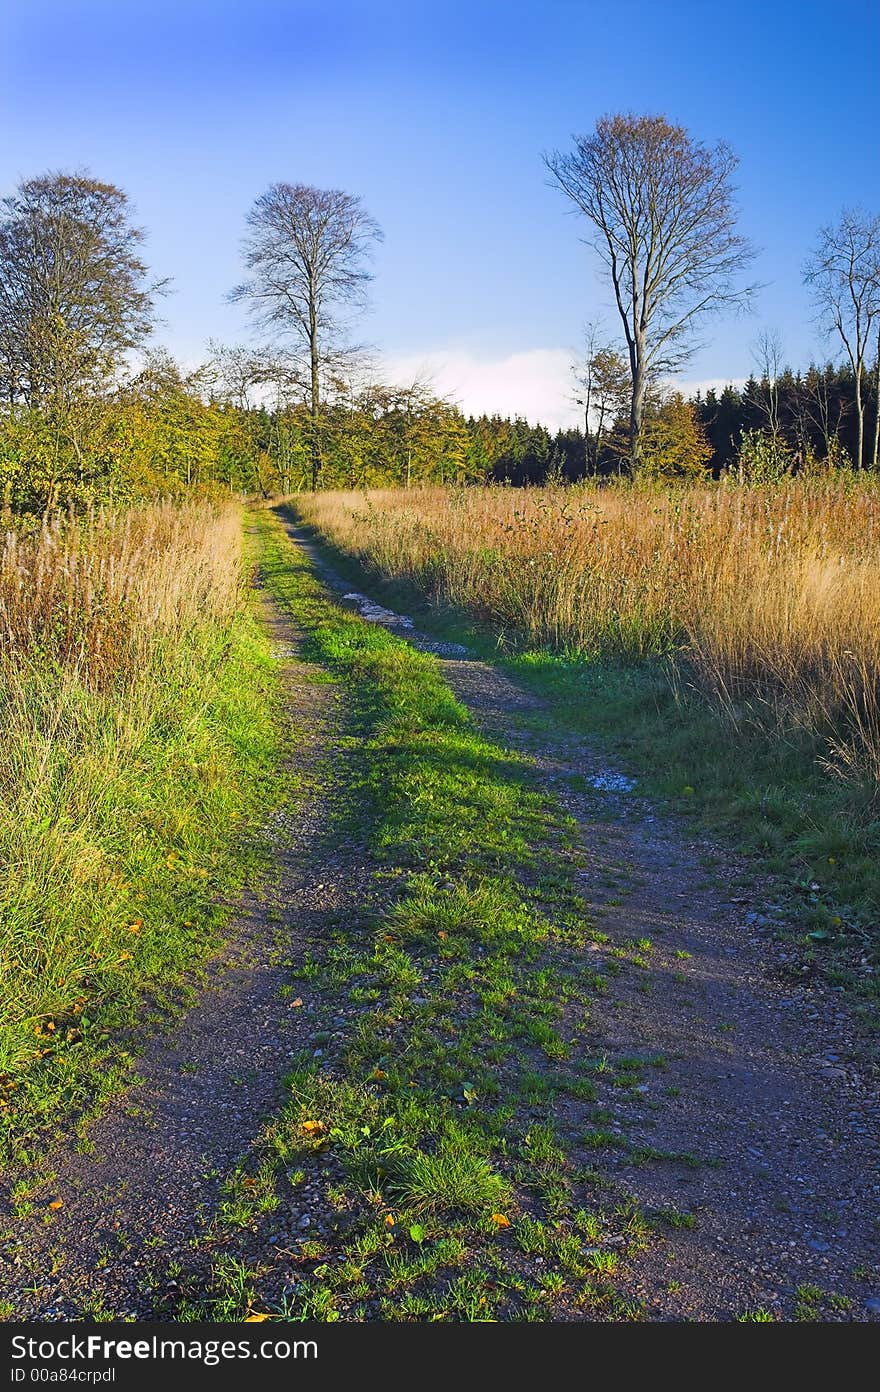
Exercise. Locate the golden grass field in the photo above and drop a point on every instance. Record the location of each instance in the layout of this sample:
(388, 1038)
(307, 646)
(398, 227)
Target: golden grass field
(767, 599)
(120, 638)
(97, 592)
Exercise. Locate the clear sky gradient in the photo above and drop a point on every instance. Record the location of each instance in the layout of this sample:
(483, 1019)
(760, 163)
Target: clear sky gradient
(437, 114)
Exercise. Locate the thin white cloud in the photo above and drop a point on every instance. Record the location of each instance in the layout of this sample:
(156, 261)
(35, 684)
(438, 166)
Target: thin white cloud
(536, 384)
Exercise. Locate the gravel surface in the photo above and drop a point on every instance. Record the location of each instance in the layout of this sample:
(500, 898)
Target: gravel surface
(763, 1081)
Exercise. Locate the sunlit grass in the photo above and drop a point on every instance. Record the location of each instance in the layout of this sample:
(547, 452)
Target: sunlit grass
(768, 599)
(426, 1120)
(137, 708)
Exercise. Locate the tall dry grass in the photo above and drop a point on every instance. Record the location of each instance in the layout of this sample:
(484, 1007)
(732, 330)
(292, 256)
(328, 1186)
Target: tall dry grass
(768, 599)
(123, 691)
(94, 594)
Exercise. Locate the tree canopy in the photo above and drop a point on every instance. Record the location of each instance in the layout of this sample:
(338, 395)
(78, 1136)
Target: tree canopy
(74, 297)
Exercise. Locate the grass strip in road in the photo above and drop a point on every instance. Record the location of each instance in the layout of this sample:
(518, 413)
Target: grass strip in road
(437, 1128)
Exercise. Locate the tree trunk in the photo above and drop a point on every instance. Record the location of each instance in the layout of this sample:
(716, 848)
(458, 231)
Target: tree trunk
(637, 408)
(315, 398)
(600, 434)
(860, 417)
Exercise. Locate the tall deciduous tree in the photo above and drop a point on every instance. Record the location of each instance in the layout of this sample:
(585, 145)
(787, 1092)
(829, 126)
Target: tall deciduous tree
(307, 253)
(844, 273)
(661, 207)
(73, 292)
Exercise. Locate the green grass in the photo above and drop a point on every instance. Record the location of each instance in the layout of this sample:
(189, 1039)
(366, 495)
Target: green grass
(428, 1127)
(813, 840)
(453, 1177)
(120, 868)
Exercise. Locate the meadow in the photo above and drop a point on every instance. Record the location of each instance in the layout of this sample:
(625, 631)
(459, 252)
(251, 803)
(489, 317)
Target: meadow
(137, 726)
(455, 1139)
(762, 599)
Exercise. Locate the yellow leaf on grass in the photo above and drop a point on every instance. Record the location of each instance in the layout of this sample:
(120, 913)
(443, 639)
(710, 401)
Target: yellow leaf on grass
(378, 1074)
(389, 1220)
(57, 1203)
(499, 1220)
(314, 1127)
(256, 1319)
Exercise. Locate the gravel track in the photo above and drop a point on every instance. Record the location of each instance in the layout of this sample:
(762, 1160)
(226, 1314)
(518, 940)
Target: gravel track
(759, 1118)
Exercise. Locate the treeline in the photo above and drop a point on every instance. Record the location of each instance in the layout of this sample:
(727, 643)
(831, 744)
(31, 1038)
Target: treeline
(770, 427)
(88, 415)
(810, 416)
(164, 432)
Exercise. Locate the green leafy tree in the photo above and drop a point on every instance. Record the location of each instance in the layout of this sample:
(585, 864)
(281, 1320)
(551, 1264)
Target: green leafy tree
(74, 297)
(675, 443)
(74, 300)
(763, 457)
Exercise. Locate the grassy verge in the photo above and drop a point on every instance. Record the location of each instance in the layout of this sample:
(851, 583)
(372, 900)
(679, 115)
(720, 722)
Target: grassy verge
(439, 1132)
(806, 843)
(129, 805)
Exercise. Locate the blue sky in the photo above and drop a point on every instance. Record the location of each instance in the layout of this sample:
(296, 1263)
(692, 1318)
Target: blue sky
(437, 115)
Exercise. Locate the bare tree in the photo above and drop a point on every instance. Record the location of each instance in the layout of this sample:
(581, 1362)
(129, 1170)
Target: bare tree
(250, 377)
(844, 273)
(73, 293)
(662, 209)
(767, 355)
(307, 251)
